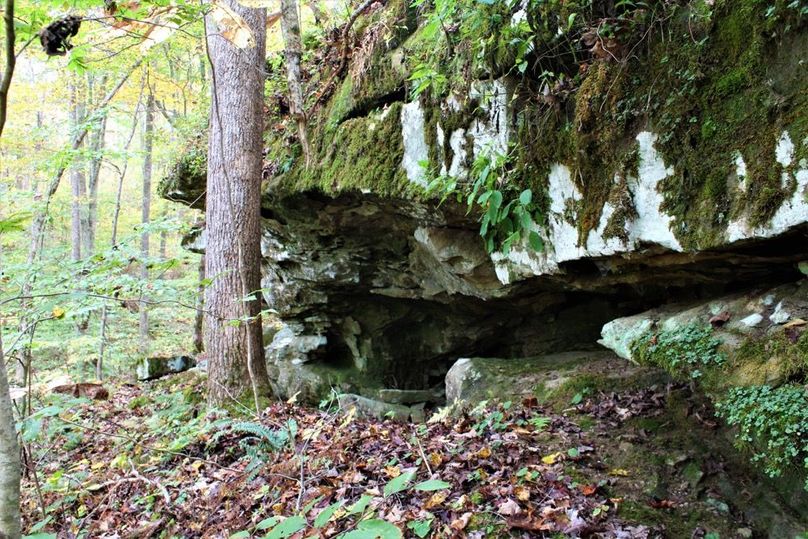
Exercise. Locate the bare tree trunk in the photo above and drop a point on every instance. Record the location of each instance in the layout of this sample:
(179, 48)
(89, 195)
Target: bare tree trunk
(97, 139)
(11, 58)
(10, 467)
(99, 364)
(317, 11)
(233, 202)
(76, 176)
(199, 342)
(148, 139)
(163, 245)
(290, 27)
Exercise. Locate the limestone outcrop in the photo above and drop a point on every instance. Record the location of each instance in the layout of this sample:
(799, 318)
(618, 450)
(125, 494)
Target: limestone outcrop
(513, 210)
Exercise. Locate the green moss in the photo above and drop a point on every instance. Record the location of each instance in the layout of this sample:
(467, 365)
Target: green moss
(187, 178)
(138, 402)
(341, 104)
(769, 359)
(712, 81)
(362, 153)
(450, 119)
(722, 102)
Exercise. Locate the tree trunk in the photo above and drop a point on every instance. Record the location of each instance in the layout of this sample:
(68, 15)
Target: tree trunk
(317, 11)
(9, 460)
(99, 363)
(11, 58)
(199, 343)
(290, 27)
(148, 138)
(233, 219)
(76, 176)
(97, 139)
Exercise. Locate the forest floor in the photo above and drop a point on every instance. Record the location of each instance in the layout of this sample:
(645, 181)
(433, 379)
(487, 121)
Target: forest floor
(148, 463)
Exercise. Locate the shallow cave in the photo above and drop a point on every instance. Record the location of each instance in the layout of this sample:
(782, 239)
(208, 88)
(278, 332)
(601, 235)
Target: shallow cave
(403, 310)
(414, 342)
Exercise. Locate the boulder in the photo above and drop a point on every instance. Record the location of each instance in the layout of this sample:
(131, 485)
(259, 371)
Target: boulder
(157, 367)
(756, 337)
(89, 390)
(474, 379)
(410, 396)
(366, 407)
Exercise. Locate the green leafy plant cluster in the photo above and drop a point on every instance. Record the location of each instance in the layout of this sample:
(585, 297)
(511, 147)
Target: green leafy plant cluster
(772, 423)
(504, 222)
(682, 351)
(259, 442)
(368, 525)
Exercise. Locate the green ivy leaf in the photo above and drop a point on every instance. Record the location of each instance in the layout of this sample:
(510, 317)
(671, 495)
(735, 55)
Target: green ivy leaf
(326, 514)
(535, 241)
(267, 523)
(375, 528)
(398, 484)
(526, 197)
(360, 505)
(420, 527)
(287, 528)
(432, 484)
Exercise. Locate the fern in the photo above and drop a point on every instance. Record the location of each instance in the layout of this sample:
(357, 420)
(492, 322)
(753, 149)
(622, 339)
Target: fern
(275, 438)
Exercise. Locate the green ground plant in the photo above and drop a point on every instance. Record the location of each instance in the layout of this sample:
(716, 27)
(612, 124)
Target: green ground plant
(772, 424)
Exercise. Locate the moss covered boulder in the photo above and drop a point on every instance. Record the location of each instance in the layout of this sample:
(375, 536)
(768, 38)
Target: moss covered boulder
(753, 338)
(471, 380)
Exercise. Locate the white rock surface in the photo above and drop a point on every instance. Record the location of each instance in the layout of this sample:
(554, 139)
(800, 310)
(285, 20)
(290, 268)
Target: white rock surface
(492, 133)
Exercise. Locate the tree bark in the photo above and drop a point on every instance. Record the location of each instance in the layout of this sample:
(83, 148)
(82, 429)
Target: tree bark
(290, 28)
(77, 185)
(148, 140)
(97, 140)
(11, 59)
(317, 11)
(233, 248)
(102, 345)
(9, 459)
(199, 342)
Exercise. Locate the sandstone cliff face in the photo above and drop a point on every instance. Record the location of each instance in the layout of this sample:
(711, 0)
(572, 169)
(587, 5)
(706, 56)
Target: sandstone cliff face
(677, 172)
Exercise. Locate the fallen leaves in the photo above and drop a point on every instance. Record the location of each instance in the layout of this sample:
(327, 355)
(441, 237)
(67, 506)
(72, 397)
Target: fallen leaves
(359, 477)
(509, 508)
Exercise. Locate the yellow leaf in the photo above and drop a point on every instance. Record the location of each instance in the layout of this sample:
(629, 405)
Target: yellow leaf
(392, 471)
(231, 26)
(484, 453)
(349, 417)
(522, 494)
(98, 465)
(58, 313)
(436, 499)
(435, 459)
(293, 398)
(551, 458)
(618, 472)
